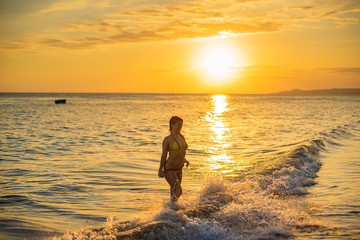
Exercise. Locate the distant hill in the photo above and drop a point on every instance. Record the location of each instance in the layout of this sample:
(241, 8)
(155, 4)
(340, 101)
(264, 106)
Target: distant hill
(334, 91)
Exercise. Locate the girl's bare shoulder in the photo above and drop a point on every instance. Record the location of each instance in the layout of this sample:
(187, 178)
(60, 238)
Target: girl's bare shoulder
(167, 139)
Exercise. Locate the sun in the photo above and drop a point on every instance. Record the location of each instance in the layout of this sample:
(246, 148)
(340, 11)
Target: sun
(218, 63)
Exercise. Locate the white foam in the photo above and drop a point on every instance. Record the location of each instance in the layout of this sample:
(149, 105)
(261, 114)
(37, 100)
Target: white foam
(253, 208)
(294, 179)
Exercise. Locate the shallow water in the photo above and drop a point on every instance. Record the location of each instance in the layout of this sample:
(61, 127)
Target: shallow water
(68, 167)
(337, 193)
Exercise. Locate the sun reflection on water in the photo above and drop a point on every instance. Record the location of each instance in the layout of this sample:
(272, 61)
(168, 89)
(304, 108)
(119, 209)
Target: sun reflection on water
(219, 134)
(214, 117)
(220, 103)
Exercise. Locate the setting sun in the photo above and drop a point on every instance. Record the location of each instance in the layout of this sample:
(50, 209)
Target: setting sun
(218, 62)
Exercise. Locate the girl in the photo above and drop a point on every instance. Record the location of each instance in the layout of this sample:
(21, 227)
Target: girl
(171, 166)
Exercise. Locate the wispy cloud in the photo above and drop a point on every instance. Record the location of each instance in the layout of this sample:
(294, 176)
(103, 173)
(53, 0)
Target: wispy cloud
(125, 21)
(94, 26)
(14, 45)
(191, 20)
(170, 31)
(65, 5)
(355, 70)
(323, 9)
(335, 12)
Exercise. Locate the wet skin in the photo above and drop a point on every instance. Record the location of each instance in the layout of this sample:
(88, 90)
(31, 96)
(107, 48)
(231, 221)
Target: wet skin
(173, 159)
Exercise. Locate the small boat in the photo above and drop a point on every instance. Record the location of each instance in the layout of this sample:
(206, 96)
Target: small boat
(60, 101)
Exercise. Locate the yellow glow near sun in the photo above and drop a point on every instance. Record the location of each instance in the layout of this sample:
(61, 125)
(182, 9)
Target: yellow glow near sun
(218, 62)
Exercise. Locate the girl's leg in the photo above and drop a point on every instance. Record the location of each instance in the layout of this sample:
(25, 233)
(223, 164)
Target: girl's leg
(179, 188)
(175, 187)
(179, 175)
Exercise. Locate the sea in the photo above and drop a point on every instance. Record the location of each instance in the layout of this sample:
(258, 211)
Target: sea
(261, 166)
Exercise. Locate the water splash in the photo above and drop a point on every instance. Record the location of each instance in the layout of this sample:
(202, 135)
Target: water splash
(261, 207)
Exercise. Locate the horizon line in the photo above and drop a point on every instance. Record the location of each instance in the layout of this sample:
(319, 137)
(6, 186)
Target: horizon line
(210, 93)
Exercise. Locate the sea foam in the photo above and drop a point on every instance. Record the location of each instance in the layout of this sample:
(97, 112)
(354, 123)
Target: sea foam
(260, 207)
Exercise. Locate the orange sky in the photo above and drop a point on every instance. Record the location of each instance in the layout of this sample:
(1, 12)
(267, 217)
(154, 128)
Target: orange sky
(204, 46)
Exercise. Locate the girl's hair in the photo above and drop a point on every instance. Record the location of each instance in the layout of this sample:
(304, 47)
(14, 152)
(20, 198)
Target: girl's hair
(174, 120)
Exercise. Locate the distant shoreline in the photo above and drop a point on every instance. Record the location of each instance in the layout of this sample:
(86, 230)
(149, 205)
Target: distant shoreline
(333, 91)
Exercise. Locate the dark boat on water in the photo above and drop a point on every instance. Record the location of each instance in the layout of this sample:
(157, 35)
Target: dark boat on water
(60, 101)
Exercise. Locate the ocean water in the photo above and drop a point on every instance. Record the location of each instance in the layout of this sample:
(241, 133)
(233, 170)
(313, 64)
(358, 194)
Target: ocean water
(261, 167)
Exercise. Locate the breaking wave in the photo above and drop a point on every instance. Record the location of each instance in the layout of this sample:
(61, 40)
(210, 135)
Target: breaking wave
(261, 206)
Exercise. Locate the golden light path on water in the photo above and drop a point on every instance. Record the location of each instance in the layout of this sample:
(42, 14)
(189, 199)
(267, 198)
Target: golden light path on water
(219, 134)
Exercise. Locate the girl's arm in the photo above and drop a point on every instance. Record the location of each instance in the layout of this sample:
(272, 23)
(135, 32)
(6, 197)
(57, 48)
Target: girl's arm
(161, 172)
(187, 162)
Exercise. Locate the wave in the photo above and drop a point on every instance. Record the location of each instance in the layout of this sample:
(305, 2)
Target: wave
(261, 206)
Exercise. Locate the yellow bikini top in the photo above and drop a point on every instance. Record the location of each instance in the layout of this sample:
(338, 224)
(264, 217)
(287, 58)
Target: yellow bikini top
(176, 145)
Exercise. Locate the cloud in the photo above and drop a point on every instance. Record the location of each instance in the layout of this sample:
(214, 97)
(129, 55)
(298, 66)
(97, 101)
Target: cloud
(355, 70)
(21, 7)
(79, 44)
(305, 8)
(14, 45)
(176, 30)
(190, 20)
(90, 42)
(323, 8)
(88, 23)
(94, 26)
(340, 11)
(65, 5)
(215, 28)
